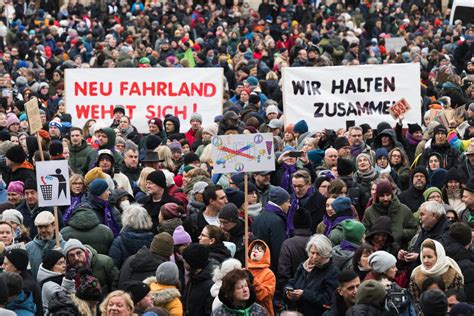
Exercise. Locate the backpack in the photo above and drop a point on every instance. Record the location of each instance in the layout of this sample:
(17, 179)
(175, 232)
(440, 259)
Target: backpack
(399, 302)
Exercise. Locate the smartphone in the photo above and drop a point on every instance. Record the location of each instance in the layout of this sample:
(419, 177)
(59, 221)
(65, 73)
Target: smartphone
(289, 289)
(349, 124)
(295, 154)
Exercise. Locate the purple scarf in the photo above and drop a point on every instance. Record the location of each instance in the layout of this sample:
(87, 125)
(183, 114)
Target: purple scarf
(295, 204)
(331, 223)
(347, 245)
(75, 200)
(288, 171)
(278, 211)
(412, 140)
(356, 150)
(109, 221)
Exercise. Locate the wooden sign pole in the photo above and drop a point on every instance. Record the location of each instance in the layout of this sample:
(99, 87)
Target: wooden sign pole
(246, 220)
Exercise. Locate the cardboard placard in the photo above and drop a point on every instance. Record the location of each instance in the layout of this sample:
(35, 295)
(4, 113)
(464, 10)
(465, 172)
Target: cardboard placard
(34, 119)
(399, 108)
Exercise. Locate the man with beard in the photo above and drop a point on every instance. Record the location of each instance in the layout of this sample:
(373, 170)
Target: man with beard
(403, 223)
(413, 197)
(262, 182)
(358, 146)
(43, 241)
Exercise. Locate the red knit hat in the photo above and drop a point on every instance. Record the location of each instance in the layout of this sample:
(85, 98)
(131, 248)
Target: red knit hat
(382, 188)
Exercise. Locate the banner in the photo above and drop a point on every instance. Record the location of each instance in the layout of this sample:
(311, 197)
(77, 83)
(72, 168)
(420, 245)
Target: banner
(53, 183)
(328, 97)
(145, 93)
(243, 153)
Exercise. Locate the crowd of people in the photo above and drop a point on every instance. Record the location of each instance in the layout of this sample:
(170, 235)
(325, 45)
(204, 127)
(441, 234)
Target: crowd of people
(377, 219)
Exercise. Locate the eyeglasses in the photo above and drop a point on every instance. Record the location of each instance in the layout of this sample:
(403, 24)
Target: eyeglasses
(203, 235)
(77, 183)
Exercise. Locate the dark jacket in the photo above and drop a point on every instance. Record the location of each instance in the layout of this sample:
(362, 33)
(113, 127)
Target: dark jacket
(413, 197)
(465, 260)
(132, 173)
(316, 205)
(22, 173)
(138, 267)
(153, 208)
(103, 269)
(356, 193)
(364, 310)
(94, 204)
(438, 232)
(197, 299)
(292, 253)
(85, 226)
(22, 304)
(29, 216)
(236, 235)
(78, 157)
(30, 285)
(449, 155)
(194, 225)
(391, 134)
(128, 243)
(92, 155)
(318, 287)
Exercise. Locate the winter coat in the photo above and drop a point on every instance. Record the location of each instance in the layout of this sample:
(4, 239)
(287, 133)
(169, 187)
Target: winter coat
(197, 299)
(404, 225)
(438, 232)
(365, 310)
(140, 266)
(169, 225)
(30, 285)
(194, 224)
(85, 226)
(103, 268)
(23, 172)
(22, 304)
(128, 243)
(62, 304)
(36, 249)
(92, 203)
(29, 216)
(449, 155)
(251, 307)
(219, 252)
(264, 280)
(356, 193)
(412, 197)
(153, 208)
(292, 253)
(316, 205)
(131, 173)
(78, 157)
(391, 134)
(49, 283)
(318, 287)
(236, 236)
(342, 258)
(92, 155)
(465, 261)
(165, 296)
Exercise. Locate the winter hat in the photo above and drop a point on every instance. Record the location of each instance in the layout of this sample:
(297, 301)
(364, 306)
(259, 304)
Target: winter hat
(381, 152)
(453, 174)
(138, 290)
(196, 116)
(30, 184)
(369, 158)
(278, 195)
(162, 245)
(383, 126)
(44, 218)
(353, 230)
(301, 127)
(365, 128)
(16, 154)
(413, 128)
(196, 255)
(98, 187)
(235, 196)
(158, 178)
(89, 288)
(189, 158)
(461, 309)
(302, 219)
(342, 204)
(382, 188)
(438, 178)
(50, 258)
(55, 148)
(345, 166)
(12, 119)
(16, 186)
(371, 292)
(380, 261)
(55, 124)
(171, 210)
(199, 187)
(230, 212)
(152, 141)
(341, 142)
(18, 257)
(167, 273)
(470, 184)
(180, 236)
(428, 191)
(72, 244)
(460, 233)
(12, 215)
(316, 156)
(382, 225)
(175, 147)
(272, 109)
(210, 129)
(434, 303)
(440, 129)
(238, 178)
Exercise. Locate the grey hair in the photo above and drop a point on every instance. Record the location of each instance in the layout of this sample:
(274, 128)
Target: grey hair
(290, 313)
(321, 243)
(136, 216)
(434, 207)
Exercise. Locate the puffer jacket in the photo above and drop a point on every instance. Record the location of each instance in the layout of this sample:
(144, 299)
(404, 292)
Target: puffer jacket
(93, 203)
(85, 226)
(103, 269)
(52, 282)
(165, 296)
(264, 280)
(342, 258)
(36, 248)
(128, 243)
(78, 157)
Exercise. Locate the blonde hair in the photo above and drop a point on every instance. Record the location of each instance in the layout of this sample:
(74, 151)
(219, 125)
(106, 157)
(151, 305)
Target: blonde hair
(82, 306)
(206, 155)
(142, 179)
(164, 153)
(124, 295)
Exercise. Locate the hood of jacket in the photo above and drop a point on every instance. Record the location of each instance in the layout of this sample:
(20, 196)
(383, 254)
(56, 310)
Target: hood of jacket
(144, 260)
(83, 219)
(175, 121)
(205, 274)
(238, 310)
(262, 263)
(340, 256)
(44, 274)
(111, 138)
(134, 240)
(22, 302)
(162, 294)
(391, 134)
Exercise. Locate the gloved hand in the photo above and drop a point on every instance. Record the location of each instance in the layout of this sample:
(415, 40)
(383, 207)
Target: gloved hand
(70, 274)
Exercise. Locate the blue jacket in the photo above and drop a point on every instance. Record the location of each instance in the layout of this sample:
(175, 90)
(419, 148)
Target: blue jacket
(36, 249)
(23, 304)
(128, 243)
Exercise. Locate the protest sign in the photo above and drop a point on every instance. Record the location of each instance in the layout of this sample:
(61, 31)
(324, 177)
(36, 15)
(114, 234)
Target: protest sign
(327, 97)
(243, 153)
(34, 119)
(144, 93)
(53, 183)
(395, 43)
(399, 108)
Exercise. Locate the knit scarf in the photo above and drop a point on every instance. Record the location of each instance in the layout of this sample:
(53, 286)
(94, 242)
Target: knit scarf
(308, 266)
(75, 200)
(347, 245)
(381, 170)
(295, 205)
(288, 171)
(367, 176)
(273, 208)
(109, 221)
(412, 140)
(357, 149)
(332, 222)
(127, 131)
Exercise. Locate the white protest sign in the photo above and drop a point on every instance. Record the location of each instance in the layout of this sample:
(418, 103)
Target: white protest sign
(395, 43)
(52, 180)
(145, 93)
(243, 153)
(327, 97)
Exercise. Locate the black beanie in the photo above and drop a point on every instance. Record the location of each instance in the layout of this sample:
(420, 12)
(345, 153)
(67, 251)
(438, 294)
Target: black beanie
(196, 255)
(341, 142)
(189, 158)
(158, 178)
(345, 166)
(4, 135)
(413, 128)
(16, 154)
(229, 212)
(433, 303)
(453, 174)
(138, 290)
(152, 141)
(235, 196)
(55, 148)
(302, 219)
(50, 258)
(30, 184)
(365, 128)
(18, 257)
(460, 233)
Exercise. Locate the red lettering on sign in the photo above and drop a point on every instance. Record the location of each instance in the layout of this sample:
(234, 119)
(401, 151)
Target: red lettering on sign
(93, 88)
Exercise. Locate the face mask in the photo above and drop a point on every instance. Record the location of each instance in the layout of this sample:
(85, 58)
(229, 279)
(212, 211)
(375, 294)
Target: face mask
(124, 204)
